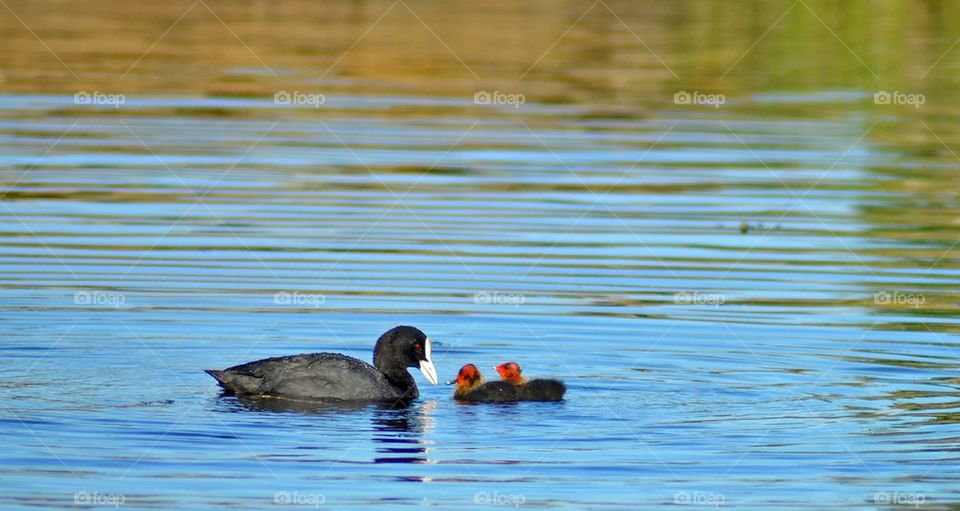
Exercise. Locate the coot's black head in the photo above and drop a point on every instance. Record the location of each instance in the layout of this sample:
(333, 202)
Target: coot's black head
(402, 347)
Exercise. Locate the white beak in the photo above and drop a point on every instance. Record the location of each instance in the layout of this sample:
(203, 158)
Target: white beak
(426, 366)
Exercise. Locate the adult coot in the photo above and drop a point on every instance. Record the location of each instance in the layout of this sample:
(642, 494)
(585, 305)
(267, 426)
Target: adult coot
(470, 387)
(336, 377)
(531, 390)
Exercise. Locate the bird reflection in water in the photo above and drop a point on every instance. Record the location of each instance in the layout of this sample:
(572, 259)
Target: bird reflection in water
(399, 427)
(401, 430)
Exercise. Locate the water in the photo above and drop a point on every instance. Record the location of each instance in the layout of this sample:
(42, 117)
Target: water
(753, 305)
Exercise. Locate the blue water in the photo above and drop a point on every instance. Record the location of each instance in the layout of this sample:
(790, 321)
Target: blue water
(752, 306)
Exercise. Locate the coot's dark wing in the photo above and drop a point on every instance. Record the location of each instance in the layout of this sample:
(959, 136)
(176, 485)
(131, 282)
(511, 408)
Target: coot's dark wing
(542, 390)
(492, 392)
(315, 376)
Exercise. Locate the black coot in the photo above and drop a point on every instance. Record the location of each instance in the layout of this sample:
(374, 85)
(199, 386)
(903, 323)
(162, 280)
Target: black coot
(336, 377)
(470, 387)
(531, 390)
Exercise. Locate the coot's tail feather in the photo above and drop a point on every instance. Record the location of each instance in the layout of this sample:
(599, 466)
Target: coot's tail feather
(223, 379)
(217, 375)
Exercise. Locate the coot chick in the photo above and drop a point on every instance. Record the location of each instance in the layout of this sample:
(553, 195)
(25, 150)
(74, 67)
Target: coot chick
(470, 387)
(336, 377)
(532, 390)
(511, 372)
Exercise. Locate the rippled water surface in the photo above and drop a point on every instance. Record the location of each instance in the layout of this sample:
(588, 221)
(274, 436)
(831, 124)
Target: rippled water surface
(752, 302)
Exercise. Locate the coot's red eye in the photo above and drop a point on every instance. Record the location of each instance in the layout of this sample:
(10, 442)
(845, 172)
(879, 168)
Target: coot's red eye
(418, 346)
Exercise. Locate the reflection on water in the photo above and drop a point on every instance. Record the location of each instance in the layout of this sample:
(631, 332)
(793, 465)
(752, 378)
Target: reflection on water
(400, 427)
(402, 433)
(751, 302)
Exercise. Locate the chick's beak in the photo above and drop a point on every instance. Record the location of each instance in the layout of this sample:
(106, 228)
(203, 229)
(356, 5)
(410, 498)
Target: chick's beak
(426, 365)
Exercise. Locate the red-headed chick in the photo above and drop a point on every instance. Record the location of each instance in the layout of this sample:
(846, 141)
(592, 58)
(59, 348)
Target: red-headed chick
(468, 379)
(511, 372)
(533, 390)
(470, 387)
